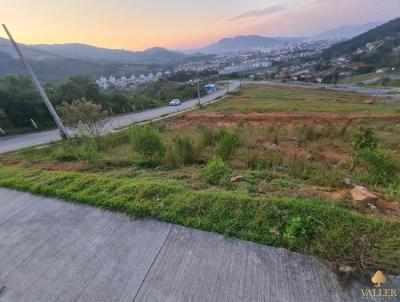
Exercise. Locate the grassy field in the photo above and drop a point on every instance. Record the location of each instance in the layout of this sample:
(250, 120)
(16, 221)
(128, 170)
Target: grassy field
(289, 189)
(273, 99)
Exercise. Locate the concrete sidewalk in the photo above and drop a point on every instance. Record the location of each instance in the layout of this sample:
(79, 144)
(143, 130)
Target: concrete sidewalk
(52, 250)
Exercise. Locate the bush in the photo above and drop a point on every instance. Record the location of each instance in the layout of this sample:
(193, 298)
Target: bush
(147, 142)
(184, 148)
(215, 171)
(227, 144)
(364, 139)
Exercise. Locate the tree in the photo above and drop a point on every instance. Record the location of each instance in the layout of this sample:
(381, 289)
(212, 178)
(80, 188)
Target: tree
(19, 102)
(77, 87)
(90, 115)
(379, 278)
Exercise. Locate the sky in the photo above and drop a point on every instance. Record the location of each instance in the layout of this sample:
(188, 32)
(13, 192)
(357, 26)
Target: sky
(180, 24)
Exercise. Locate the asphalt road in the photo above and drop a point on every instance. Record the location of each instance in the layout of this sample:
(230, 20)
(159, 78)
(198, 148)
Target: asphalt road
(115, 123)
(51, 250)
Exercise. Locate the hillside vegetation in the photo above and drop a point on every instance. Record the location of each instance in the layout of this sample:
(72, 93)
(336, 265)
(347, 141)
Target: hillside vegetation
(387, 34)
(256, 165)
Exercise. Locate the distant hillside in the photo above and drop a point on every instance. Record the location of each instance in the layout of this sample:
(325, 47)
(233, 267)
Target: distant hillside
(346, 31)
(241, 43)
(100, 55)
(9, 65)
(384, 41)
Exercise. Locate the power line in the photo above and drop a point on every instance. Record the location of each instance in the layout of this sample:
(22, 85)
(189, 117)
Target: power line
(72, 59)
(54, 55)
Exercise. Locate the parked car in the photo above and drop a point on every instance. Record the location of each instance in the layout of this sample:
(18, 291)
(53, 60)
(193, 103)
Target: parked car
(175, 102)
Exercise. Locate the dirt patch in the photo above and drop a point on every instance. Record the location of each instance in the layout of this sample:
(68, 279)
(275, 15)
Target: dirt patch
(13, 162)
(391, 208)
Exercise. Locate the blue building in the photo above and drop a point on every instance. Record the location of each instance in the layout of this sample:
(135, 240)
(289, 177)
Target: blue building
(210, 88)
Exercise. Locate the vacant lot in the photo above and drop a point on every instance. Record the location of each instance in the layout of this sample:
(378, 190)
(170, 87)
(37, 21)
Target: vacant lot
(269, 165)
(255, 98)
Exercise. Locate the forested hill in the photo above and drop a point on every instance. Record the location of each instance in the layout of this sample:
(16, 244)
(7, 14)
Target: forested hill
(379, 47)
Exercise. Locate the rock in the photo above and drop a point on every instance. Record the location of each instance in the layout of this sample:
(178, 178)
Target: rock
(371, 206)
(237, 178)
(370, 102)
(361, 194)
(349, 183)
(270, 146)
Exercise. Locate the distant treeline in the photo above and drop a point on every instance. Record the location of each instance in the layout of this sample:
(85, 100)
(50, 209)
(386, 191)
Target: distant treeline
(19, 102)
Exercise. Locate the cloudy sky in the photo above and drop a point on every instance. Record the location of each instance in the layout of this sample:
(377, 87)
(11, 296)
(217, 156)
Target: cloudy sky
(181, 24)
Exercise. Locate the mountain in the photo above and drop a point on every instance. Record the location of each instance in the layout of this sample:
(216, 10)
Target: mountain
(383, 50)
(241, 43)
(9, 64)
(346, 31)
(43, 52)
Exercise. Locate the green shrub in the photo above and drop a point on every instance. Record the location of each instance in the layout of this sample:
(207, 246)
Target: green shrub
(292, 230)
(185, 149)
(227, 144)
(147, 142)
(364, 139)
(215, 171)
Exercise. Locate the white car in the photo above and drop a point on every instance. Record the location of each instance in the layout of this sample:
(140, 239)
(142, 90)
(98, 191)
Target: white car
(175, 102)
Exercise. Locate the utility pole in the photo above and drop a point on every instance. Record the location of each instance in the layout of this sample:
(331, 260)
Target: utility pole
(38, 87)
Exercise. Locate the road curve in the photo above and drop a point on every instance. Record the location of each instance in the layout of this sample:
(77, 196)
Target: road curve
(115, 123)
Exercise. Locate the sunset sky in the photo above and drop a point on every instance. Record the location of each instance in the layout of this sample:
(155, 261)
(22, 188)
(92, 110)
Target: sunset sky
(180, 24)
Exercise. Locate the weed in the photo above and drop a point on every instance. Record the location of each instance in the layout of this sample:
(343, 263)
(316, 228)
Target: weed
(364, 139)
